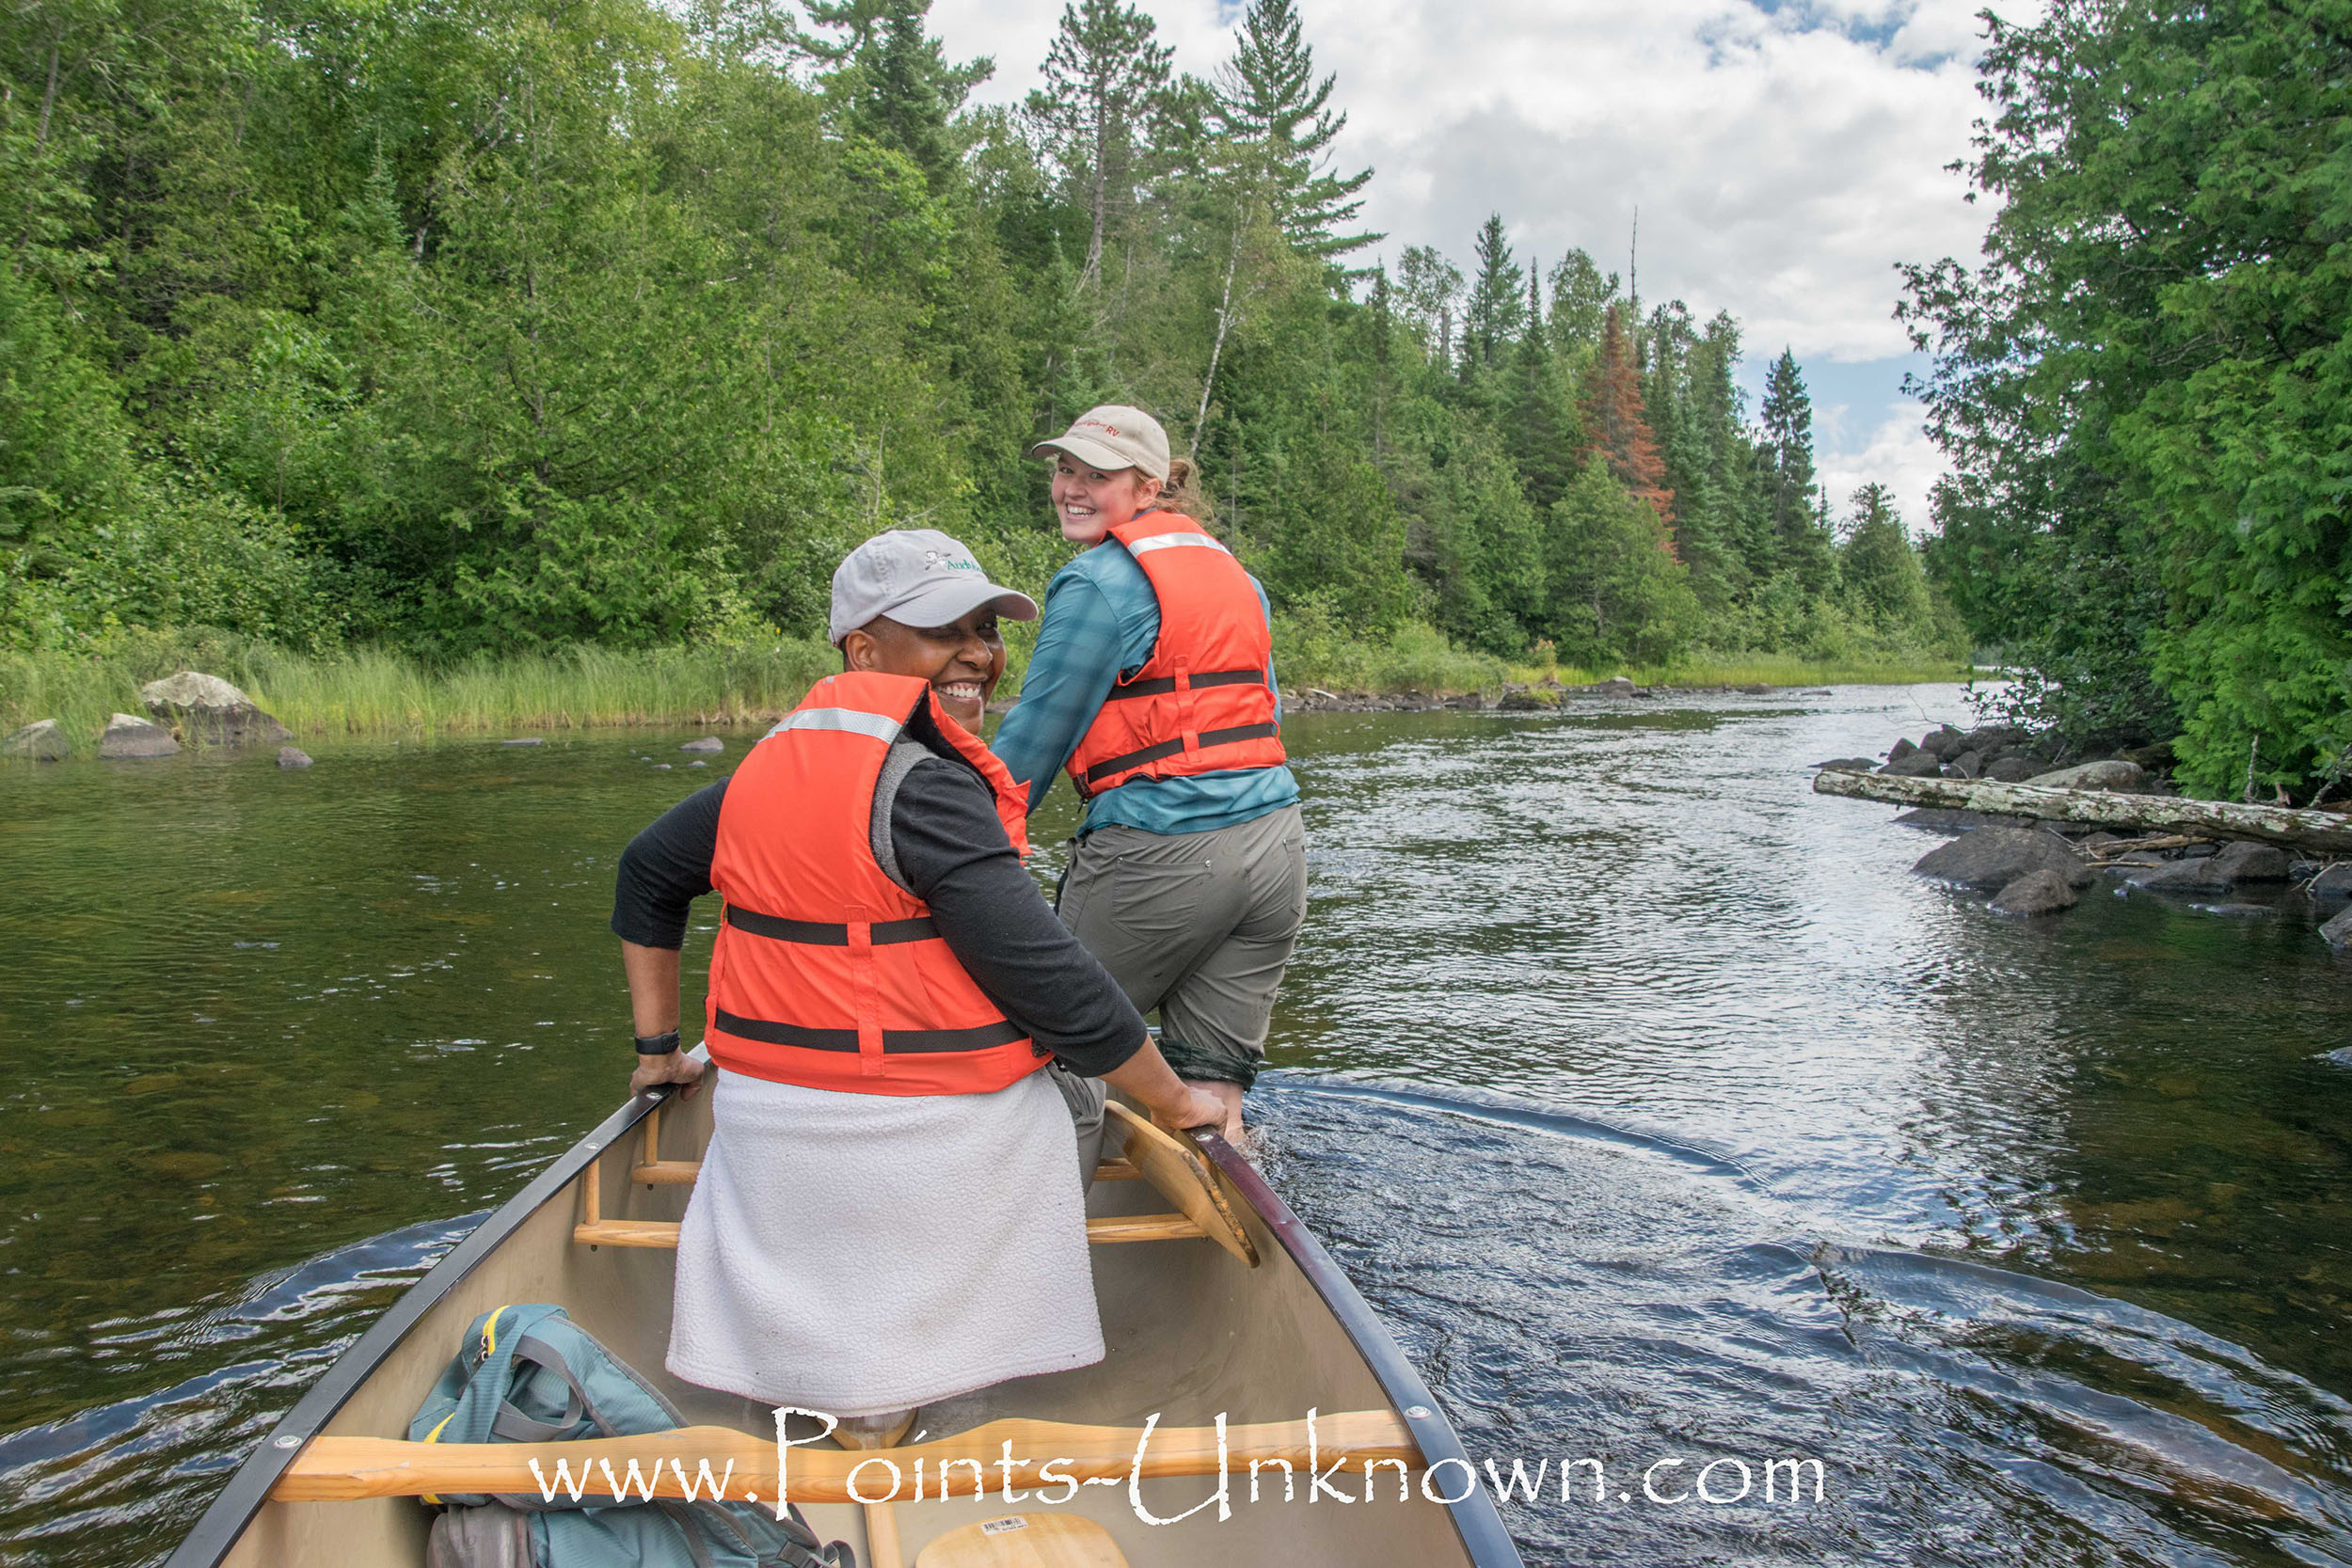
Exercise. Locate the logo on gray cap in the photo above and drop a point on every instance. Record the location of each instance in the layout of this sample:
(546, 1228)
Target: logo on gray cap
(918, 577)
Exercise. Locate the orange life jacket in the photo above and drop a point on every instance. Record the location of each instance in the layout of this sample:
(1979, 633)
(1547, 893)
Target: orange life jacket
(827, 973)
(1200, 704)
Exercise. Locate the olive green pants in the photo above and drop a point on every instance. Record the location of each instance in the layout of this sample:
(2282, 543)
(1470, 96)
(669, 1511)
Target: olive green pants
(1198, 926)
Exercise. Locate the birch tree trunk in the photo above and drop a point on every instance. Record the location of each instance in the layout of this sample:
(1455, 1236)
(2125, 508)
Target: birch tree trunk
(2322, 830)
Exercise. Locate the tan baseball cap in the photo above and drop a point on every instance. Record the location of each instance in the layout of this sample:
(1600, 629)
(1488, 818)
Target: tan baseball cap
(1113, 436)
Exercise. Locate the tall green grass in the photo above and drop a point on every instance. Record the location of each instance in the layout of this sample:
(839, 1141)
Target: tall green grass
(365, 692)
(372, 693)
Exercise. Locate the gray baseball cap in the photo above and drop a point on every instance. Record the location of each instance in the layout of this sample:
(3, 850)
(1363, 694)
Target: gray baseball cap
(918, 577)
(1113, 436)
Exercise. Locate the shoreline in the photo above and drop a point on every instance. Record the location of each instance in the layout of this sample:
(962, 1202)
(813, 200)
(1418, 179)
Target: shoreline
(372, 693)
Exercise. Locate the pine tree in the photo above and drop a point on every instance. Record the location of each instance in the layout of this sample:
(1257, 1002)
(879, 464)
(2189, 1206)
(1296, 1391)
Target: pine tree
(1429, 290)
(891, 78)
(1877, 569)
(1614, 428)
(1580, 294)
(1784, 463)
(1273, 111)
(1104, 79)
(1496, 312)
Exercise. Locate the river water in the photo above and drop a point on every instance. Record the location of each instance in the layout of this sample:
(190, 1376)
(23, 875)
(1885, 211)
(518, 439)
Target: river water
(1661, 1115)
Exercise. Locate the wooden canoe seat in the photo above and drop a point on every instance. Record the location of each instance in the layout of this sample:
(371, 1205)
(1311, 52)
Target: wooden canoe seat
(1155, 1156)
(1025, 1541)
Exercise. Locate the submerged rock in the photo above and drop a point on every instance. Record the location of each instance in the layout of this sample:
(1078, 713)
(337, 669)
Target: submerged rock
(42, 741)
(2125, 777)
(1996, 857)
(210, 709)
(1847, 765)
(2338, 932)
(2233, 864)
(292, 756)
(2035, 893)
(127, 734)
(1528, 701)
(707, 743)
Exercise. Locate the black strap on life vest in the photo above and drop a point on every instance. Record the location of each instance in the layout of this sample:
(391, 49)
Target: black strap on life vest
(1207, 738)
(770, 1032)
(824, 933)
(1165, 684)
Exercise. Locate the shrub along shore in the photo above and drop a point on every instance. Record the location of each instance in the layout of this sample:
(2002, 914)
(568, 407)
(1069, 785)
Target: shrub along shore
(377, 693)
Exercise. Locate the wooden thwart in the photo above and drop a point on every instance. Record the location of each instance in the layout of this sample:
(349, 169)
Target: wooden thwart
(340, 1469)
(1102, 1232)
(1178, 1172)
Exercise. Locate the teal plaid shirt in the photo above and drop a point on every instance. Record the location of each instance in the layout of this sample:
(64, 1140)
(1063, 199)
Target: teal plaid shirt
(1100, 620)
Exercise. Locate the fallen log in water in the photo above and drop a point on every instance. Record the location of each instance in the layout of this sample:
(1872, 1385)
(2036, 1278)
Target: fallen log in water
(2280, 825)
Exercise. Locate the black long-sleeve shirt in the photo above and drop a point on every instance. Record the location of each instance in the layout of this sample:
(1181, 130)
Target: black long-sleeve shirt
(950, 851)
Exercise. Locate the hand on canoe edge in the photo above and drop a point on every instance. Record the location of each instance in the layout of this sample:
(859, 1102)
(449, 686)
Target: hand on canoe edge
(1204, 1105)
(676, 1068)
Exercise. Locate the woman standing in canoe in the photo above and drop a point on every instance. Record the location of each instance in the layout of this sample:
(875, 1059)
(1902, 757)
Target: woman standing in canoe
(1152, 684)
(891, 1209)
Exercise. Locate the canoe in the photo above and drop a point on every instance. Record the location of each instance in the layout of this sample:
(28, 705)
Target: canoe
(1227, 1325)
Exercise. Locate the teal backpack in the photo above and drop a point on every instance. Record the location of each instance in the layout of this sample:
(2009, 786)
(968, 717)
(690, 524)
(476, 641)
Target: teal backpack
(528, 1374)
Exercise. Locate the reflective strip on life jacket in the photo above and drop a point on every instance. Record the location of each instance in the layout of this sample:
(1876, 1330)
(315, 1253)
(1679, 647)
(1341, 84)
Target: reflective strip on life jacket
(1175, 540)
(850, 720)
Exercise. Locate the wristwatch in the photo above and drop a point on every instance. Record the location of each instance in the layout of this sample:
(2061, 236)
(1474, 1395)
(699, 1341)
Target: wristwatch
(656, 1045)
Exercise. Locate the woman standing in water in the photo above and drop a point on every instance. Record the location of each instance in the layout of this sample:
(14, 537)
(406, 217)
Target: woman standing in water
(1152, 684)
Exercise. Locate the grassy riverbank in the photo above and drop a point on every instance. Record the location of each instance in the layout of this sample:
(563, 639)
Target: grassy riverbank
(369, 692)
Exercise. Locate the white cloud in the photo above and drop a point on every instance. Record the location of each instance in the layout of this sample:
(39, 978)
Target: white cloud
(1783, 161)
(1897, 454)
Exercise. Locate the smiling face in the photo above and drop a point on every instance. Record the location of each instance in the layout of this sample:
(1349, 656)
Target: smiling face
(1089, 502)
(963, 662)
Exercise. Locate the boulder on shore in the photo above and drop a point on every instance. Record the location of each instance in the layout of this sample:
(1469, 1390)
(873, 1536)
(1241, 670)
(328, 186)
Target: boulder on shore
(2335, 882)
(1903, 749)
(2339, 931)
(40, 741)
(1942, 819)
(1528, 701)
(2233, 864)
(1847, 765)
(292, 756)
(1915, 763)
(127, 734)
(707, 743)
(2010, 769)
(2035, 893)
(1994, 857)
(2127, 778)
(210, 709)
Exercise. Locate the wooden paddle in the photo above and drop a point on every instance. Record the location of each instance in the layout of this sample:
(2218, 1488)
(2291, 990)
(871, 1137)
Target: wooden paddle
(1179, 1173)
(331, 1470)
(1025, 1541)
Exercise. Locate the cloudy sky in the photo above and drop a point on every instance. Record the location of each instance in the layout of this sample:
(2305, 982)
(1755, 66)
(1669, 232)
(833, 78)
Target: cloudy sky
(1784, 156)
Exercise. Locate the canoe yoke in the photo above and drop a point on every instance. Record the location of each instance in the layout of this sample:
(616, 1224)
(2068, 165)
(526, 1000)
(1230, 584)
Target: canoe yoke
(1173, 1168)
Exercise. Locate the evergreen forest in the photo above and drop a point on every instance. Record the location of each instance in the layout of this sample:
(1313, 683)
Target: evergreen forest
(460, 330)
(475, 328)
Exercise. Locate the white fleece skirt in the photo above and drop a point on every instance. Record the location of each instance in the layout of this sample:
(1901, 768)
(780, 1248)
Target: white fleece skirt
(862, 1252)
